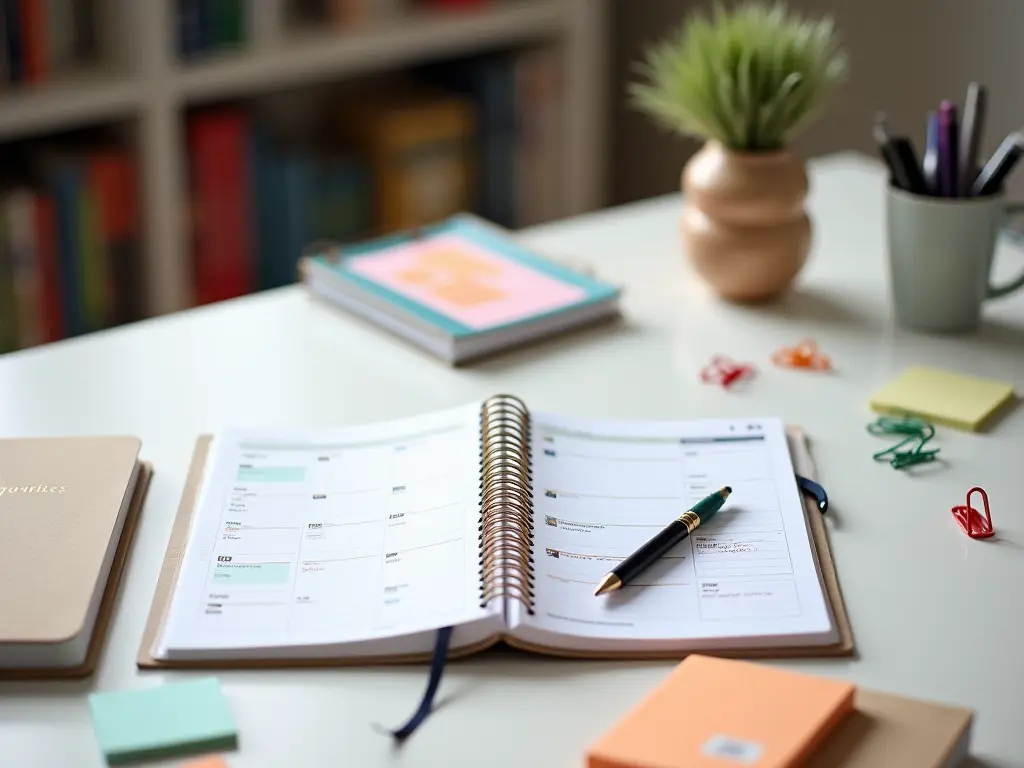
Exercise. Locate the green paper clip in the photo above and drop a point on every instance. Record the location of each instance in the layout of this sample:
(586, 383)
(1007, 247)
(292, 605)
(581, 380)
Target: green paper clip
(916, 433)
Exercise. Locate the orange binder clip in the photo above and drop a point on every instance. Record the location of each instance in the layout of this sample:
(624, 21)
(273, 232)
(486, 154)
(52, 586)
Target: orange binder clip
(971, 520)
(803, 355)
(723, 371)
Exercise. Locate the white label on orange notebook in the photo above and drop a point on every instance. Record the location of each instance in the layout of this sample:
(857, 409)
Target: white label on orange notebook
(737, 750)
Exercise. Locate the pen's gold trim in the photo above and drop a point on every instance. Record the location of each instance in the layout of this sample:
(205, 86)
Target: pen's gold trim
(609, 583)
(690, 519)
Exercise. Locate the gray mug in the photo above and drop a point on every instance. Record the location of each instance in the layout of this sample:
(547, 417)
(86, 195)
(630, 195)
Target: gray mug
(940, 258)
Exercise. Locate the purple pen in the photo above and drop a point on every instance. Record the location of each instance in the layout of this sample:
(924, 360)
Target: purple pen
(949, 151)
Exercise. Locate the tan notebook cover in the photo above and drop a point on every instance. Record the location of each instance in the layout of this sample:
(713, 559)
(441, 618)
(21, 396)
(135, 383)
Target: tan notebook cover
(60, 499)
(884, 729)
(179, 537)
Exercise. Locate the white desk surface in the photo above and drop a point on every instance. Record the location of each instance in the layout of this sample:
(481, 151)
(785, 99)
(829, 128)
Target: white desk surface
(935, 614)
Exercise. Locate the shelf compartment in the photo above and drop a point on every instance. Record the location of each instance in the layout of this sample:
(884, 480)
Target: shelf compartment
(311, 56)
(72, 102)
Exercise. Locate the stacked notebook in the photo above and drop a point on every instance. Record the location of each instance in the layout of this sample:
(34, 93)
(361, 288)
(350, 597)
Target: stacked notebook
(356, 545)
(740, 713)
(460, 289)
(68, 509)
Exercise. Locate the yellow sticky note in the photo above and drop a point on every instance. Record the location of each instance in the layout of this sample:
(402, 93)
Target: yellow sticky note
(942, 397)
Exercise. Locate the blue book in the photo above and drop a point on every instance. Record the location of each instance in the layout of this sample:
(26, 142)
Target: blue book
(12, 41)
(490, 82)
(271, 199)
(66, 182)
(190, 28)
(461, 289)
(342, 205)
(299, 185)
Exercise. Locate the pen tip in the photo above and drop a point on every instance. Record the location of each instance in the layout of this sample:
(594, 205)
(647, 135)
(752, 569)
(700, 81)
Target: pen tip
(726, 491)
(608, 584)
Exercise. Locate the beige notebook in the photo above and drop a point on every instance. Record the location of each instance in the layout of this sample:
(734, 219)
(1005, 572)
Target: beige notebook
(67, 510)
(354, 545)
(885, 730)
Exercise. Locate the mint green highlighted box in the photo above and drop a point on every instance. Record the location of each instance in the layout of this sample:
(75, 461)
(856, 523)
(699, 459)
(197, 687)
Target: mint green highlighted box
(166, 721)
(248, 574)
(271, 474)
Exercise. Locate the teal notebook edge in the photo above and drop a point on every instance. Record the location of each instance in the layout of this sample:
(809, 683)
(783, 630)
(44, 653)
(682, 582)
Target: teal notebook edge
(485, 235)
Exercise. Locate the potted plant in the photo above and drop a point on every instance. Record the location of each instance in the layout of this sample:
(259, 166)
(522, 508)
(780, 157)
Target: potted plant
(747, 81)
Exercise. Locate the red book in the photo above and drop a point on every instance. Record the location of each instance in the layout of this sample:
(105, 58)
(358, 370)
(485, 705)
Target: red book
(221, 193)
(33, 39)
(112, 179)
(49, 270)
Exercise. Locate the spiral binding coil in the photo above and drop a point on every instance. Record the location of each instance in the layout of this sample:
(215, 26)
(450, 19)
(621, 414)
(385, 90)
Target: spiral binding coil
(506, 502)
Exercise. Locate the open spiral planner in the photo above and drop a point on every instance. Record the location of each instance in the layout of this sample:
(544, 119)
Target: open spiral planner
(355, 545)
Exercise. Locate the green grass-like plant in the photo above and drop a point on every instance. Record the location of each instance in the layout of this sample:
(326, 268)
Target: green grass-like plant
(751, 78)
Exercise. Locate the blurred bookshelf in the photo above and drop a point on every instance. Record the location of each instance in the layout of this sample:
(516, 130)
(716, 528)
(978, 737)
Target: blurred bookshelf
(185, 151)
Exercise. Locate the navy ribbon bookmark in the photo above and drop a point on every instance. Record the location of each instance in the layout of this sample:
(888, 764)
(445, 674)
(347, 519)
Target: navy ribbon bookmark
(815, 491)
(437, 662)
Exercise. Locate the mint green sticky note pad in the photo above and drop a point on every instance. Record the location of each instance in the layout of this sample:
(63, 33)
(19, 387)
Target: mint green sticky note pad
(165, 721)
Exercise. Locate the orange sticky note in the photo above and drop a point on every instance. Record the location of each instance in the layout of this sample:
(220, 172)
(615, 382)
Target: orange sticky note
(712, 713)
(214, 761)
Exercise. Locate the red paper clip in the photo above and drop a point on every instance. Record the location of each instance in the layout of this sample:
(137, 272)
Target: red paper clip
(970, 519)
(721, 370)
(803, 355)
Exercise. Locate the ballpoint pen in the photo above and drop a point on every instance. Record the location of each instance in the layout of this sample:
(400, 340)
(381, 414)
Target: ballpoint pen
(899, 155)
(971, 130)
(930, 165)
(626, 571)
(949, 157)
(990, 179)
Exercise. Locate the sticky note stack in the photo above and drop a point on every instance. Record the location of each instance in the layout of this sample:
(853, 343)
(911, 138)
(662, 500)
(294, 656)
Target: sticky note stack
(952, 399)
(165, 721)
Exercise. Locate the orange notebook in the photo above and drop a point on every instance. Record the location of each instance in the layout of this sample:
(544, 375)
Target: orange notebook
(712, 712)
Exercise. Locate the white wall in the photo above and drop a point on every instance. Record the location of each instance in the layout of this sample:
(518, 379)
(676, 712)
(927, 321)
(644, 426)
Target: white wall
(905, 57)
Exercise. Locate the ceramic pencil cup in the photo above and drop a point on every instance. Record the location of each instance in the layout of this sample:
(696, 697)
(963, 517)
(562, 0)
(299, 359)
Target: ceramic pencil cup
(940, 258)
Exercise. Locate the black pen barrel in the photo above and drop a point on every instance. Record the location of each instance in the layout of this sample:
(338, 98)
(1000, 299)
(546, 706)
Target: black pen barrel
(661, 543)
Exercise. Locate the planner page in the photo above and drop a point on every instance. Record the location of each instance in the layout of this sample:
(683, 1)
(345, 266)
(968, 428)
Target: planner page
(748, 577)
(310, 539)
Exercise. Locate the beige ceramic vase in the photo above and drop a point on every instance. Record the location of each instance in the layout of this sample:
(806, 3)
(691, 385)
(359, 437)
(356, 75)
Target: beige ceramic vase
(744, 226)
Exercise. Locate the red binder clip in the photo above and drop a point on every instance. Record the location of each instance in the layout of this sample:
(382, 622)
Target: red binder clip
(723, 371)
(803, 355)
(970, 519)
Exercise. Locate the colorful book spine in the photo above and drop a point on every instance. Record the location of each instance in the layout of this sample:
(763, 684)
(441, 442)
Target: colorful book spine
(13, 42)
(47, 258)
(19, 211)
(190, 27)
(94, 260)
(270, 202)
(300, 173)
(8, 304)
(539, 143)
(219, 154)
(342, 212)
(60, 35)
(419, 149)
(65, 184)
(112, 180)
(33, 39)
(230, 23)
(490, 82)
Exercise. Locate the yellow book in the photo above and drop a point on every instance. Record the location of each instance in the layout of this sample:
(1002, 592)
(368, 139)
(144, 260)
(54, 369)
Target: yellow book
(953, 399)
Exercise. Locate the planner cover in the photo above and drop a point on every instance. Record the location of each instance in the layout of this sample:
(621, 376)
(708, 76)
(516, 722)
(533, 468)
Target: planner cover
(179, 536)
